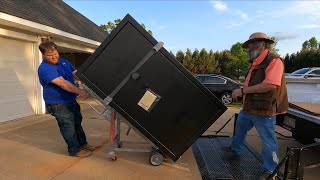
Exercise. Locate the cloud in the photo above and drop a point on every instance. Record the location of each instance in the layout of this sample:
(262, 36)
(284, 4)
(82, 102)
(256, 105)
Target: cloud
(310, 26)
(221, 6)
(285, 35)
(242, 15)
(234, 24)
(156, 27)
(218, 5)
(309, 8)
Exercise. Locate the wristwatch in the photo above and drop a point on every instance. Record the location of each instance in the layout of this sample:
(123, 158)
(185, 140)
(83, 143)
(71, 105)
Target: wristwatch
(242, 91)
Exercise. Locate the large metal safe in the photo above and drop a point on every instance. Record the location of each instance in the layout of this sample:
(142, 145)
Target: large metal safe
(137, 77)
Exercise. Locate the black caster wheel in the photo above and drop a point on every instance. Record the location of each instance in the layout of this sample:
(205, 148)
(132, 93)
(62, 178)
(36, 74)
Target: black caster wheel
(119, 145)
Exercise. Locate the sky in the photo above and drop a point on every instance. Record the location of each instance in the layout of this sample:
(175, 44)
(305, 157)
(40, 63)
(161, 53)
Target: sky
(215, 25)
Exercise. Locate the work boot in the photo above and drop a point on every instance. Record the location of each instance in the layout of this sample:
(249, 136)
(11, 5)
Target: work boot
(83, 153)
(265, 175)
(88, 147)
(229, 149)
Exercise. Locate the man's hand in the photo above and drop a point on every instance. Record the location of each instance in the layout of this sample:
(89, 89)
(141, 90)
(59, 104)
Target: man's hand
(83, 94)
(236, 93)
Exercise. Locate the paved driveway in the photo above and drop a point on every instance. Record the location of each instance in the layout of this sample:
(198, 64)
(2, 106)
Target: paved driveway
(32, 148)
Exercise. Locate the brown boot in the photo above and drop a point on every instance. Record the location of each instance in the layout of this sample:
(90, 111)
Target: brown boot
(88, 147)
(83, 153)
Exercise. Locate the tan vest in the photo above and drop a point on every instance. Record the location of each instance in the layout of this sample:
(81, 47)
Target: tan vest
(269, 103)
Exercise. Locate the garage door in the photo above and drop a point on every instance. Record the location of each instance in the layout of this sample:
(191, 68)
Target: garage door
(17, 86)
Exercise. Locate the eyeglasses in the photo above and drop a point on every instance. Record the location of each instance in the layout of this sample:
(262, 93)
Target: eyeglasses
(252, 44)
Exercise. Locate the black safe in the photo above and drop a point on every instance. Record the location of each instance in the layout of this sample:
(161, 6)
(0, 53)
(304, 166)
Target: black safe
(150, 88)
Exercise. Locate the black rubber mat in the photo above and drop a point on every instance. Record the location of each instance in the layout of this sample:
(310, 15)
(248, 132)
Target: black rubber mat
(215, 163)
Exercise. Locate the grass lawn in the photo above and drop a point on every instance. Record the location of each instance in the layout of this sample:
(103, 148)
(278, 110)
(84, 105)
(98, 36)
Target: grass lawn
(235, 104)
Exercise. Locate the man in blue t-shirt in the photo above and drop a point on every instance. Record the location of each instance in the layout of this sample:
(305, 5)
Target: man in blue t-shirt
(56, 75)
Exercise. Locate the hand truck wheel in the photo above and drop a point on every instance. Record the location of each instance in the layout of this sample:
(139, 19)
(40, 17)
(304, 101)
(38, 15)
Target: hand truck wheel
(119, 145)
(156, 158)
(114, 158)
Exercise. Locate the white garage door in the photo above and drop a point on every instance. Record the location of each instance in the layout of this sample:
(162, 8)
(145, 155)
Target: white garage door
(17, 86)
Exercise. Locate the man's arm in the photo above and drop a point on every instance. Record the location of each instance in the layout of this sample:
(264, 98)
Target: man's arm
(272, 80)
(74, 74)
(259, 88)
(66, 85)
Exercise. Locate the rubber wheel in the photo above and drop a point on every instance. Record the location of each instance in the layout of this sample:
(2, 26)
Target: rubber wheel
(156, 158)
(114, 158)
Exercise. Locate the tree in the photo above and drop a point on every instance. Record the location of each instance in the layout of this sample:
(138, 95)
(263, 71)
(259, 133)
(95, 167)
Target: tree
(111, 25)
(227, 63)
(144, 27)
(195, 54)
(273, 47)
(242, 64)
(171, 53)
(305, 45)
(180, 56)
(206, 64)
(187, 62)
(312, 43)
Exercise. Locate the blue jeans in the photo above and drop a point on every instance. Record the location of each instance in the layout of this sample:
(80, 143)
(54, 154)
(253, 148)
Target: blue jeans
(265, 128)
(69, 120)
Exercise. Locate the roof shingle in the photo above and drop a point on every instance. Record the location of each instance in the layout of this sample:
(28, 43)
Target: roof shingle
(56, 14)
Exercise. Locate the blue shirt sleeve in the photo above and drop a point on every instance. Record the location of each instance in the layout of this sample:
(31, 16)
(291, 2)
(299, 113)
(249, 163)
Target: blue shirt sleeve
(48, 73)
(72, 68)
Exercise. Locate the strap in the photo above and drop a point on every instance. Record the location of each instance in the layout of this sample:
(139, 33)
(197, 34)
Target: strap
(155, 49)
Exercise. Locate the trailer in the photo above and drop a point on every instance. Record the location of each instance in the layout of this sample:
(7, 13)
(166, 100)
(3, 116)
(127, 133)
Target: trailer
(215, 163)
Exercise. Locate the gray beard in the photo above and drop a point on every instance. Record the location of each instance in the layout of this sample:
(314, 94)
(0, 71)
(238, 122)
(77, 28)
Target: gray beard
(253, 55)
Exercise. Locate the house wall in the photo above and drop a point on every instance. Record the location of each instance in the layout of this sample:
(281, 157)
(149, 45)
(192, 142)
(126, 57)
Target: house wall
(21, 92)
(18, 61)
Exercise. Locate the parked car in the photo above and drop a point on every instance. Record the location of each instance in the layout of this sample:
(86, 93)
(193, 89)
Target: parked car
(221, 86)
(310, 72)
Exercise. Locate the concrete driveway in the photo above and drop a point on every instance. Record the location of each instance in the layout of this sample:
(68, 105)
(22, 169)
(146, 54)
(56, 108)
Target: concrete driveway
(32, 148)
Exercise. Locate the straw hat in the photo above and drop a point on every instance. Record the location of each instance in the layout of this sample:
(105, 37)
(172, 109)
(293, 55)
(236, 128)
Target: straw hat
(257, 36)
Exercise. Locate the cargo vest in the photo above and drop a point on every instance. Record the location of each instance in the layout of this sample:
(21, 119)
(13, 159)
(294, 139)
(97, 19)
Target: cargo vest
(269, 103)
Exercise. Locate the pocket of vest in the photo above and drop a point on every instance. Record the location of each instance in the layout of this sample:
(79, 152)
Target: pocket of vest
(261, 103)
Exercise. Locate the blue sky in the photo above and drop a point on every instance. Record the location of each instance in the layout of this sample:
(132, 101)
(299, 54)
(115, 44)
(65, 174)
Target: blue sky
(215, 25)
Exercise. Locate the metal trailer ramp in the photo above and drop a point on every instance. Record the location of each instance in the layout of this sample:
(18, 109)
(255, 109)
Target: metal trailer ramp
(214, 163)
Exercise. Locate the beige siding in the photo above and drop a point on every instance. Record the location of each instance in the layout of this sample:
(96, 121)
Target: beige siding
(17, 75)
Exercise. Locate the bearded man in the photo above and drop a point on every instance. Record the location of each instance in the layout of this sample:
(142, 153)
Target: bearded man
(264, 96)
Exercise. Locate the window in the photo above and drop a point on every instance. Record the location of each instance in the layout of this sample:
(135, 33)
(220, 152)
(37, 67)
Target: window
(300, 71)
(199, 78)
(316, 73)
(213, 80)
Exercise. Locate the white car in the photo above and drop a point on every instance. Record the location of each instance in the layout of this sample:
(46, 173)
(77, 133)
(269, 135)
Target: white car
(309, 73)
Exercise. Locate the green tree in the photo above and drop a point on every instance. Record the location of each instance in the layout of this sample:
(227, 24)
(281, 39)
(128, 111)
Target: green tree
(207, 63)
(227, 63)
(195, 54)
(312, 43)
(187, 62)
(305, 45)
(180, 56)
(241, 63)
(273, 47)
(171, 53)
(111, 25)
